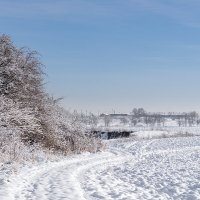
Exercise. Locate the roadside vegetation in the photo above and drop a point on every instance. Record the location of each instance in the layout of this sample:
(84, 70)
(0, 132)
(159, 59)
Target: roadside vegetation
(31, 121)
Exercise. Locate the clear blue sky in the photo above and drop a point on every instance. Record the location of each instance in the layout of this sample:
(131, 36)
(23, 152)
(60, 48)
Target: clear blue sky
(105, 55)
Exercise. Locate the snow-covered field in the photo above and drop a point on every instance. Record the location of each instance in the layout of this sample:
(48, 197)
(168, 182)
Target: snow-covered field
(145, 169)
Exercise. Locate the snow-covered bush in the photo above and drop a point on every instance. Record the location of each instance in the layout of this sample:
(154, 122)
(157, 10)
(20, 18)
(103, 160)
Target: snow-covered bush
(13, 123)
(12, 116)
(69, 131)
(28, 116)
(20, 74)
(21, 83)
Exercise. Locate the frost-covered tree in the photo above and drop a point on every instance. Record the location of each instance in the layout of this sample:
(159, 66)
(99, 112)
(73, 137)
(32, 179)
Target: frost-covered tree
(27, 112)
(21, 82)
(138, 112)
(192, 118)
(15, 121)
(12, 116)
(20, 74)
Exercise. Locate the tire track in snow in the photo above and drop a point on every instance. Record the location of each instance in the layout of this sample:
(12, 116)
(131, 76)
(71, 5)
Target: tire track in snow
(59, 182)
(28, 178)
(63, 179)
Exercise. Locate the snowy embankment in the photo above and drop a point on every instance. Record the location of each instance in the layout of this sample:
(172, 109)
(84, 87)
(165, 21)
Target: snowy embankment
(129, 169)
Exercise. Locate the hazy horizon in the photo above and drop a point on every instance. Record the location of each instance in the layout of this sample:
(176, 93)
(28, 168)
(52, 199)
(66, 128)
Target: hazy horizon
(113, 55)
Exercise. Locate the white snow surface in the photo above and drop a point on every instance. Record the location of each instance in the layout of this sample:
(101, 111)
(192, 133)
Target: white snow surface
(146, 169)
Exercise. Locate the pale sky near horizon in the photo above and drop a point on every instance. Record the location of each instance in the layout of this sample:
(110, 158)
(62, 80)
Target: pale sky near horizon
(113, 54)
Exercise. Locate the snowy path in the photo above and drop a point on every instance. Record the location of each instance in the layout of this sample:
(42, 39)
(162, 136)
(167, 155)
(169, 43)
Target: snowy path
(151, 169)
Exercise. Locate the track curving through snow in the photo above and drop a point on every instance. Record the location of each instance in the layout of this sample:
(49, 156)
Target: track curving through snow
(150, 169)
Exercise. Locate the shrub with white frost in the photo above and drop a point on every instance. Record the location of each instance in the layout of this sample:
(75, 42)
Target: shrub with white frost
(28, 116)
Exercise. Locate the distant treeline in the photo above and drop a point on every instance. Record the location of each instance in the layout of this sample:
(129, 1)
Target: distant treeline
(139, 115)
